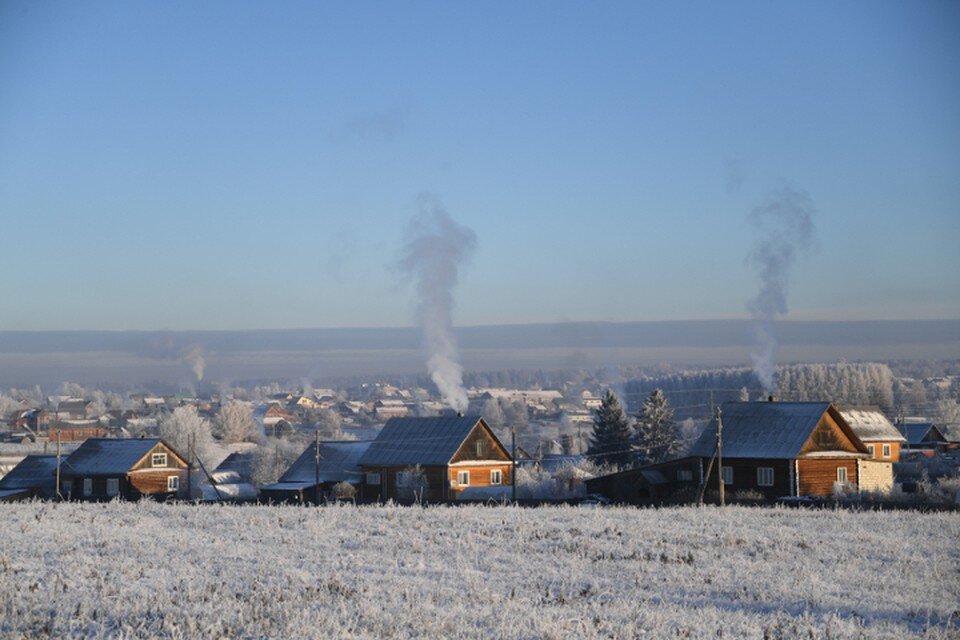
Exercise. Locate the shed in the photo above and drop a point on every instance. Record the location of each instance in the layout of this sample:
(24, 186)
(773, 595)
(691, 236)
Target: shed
(339, 462)
(34, 477)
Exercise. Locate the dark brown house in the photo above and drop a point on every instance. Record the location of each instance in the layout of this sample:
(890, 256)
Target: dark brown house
(452, 452)
(104, 469)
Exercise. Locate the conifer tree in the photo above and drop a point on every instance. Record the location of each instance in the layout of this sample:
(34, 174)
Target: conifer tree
(656, 434)
(611, 441)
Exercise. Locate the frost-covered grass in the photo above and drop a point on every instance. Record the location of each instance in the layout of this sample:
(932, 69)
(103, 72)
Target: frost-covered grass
(155, 570)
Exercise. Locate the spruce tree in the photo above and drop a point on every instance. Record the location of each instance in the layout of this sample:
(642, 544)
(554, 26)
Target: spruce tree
(656, 435)
(611, 441)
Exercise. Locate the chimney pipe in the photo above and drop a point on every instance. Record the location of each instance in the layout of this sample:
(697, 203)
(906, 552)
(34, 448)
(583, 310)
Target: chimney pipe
(771, 398)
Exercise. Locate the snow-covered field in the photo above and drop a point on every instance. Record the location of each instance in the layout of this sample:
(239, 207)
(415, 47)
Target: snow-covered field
(153, 570)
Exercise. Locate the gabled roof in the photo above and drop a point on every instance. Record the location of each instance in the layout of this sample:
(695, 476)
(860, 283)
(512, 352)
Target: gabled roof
(775, 430)
(871, 425)
(425, 441)
(103, 456)
(339, 461)
(33, 472)
(917, 432)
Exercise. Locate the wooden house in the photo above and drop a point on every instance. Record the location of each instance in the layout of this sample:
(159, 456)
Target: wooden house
(924, 435)
(790, 449)
(453, 453)
(311, 480)
(875, 430)
(103, 469)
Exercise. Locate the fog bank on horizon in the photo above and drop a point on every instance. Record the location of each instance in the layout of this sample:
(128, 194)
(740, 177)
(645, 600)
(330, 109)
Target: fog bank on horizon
(141, 358)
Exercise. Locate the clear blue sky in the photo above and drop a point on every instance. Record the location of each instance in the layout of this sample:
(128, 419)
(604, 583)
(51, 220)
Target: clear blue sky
(254, 164)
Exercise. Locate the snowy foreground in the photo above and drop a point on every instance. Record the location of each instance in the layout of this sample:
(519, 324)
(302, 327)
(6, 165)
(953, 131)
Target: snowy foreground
(153, 570)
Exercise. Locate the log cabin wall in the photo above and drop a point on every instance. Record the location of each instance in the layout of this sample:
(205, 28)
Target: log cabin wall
(817, 475)
(489, 448)
(479, 476)
(745, 476)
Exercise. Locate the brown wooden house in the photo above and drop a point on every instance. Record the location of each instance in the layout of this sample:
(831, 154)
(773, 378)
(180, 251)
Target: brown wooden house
(103, 469)
(453, 453)
(790, 449)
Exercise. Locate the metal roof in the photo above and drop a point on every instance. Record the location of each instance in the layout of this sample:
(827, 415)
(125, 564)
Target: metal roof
(339, 461)
(917, 431)
(103, 456)
(762, 429)
(425, 441)
(33, 472)
(871, 425)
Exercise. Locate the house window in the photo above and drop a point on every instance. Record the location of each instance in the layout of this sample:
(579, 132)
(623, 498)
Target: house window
(684, 475)
(158, 460)
(403, 479)
(886, 451)
(67, 488)
(373, 478)
(87, 486)
(765, 476)
(728, 475)
(479, 448)
(113, 486)
(872, 450)
(173, 483)
(463, 478)
(496, 476)
(842, 475)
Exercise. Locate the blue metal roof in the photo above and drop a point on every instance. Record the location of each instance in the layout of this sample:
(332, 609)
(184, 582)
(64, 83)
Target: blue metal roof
(916, 432)
(339, 461)
(424, 441)
(33, 472)
(775, 430)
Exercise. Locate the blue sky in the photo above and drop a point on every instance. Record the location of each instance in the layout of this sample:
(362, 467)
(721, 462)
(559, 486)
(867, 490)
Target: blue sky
(254, 165)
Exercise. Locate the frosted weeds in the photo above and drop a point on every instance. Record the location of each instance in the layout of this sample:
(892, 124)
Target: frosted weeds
(153, 570)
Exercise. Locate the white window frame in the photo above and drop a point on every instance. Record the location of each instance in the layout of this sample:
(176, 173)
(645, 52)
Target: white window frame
(727, 474)
(887, 449)
(460, 476)
(684, 475)
(113, 486)
(158, 460)
(764, 476)
(873, 450)
(496, 477)
(88, 486)
(373, 479)
(173, 483)
(842, 475)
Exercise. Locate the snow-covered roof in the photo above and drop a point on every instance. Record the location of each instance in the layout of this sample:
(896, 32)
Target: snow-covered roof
(871, 425)
(33, 472)
(338, 462)
(103, 456)
(426, 441)
(775, 430)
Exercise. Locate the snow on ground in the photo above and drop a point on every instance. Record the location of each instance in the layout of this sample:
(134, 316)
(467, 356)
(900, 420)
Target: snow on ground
(183, 571)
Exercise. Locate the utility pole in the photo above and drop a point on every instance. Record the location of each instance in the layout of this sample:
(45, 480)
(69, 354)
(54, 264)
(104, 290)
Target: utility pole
(513, 463)
(316, 467)
(720, 455)
(59, 495)
(190, 456)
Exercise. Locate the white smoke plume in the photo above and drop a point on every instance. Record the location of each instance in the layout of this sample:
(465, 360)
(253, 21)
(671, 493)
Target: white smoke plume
(436, 248)
(194, 357)
(784, 223)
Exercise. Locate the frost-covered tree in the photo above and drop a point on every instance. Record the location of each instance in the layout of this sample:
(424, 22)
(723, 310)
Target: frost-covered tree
(413, 484)
(656, 434)
(611, 440)
(273, 457)
(948, 412)
(235, 423)
(515, 415)
(492, 413)
(744, 395)
(184, 426)
(329, 424)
